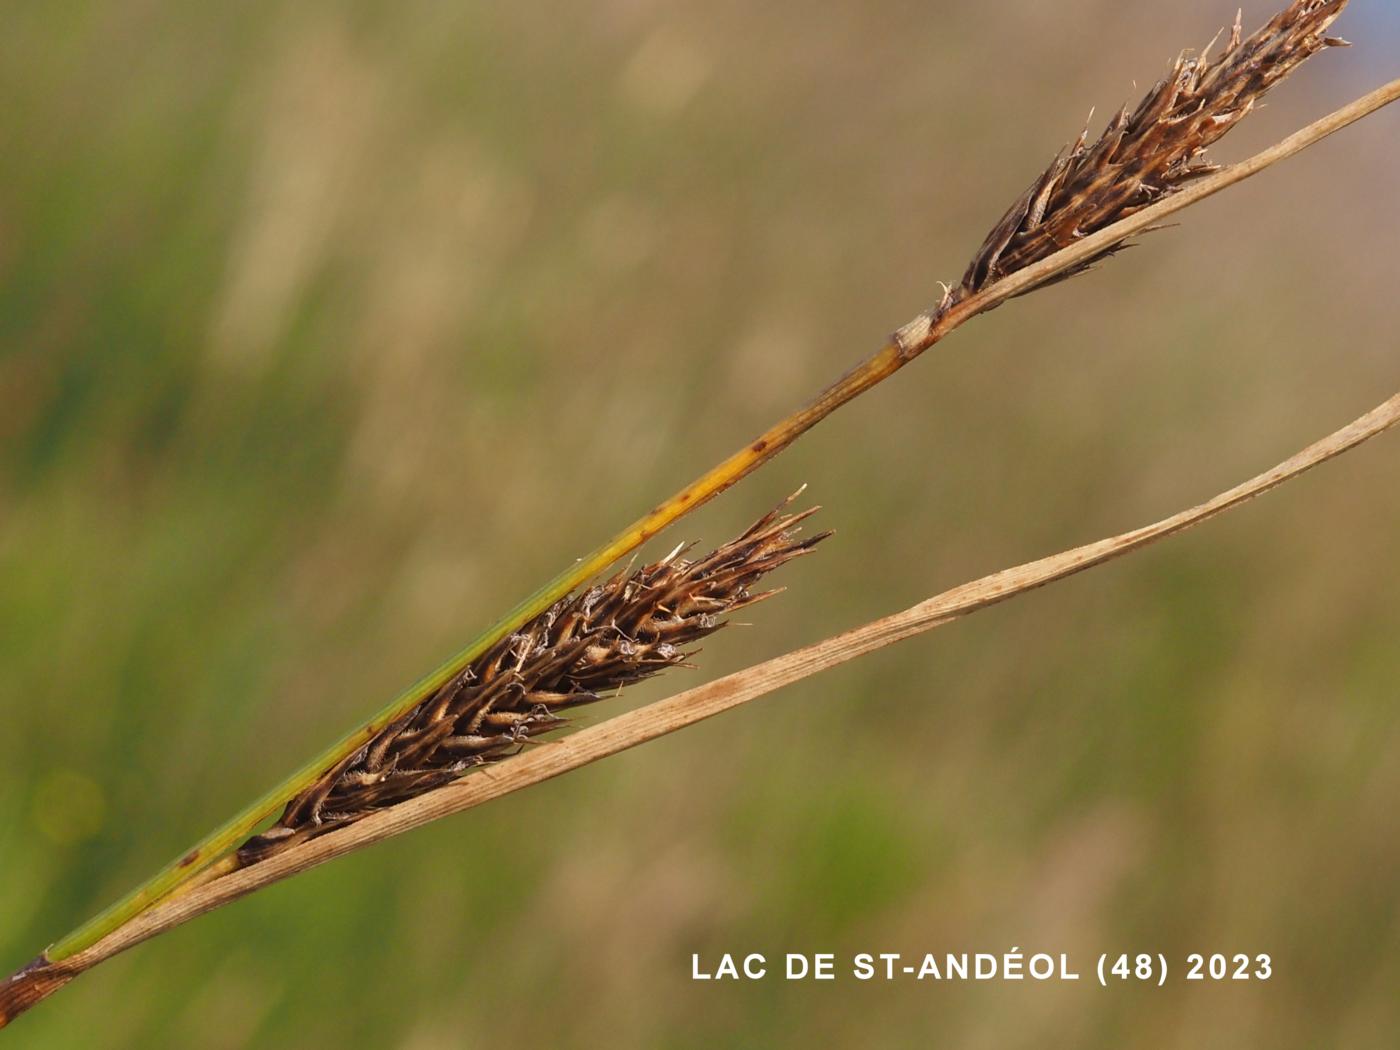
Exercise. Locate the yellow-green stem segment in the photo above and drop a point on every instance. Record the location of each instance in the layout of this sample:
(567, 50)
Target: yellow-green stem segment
(228, 836)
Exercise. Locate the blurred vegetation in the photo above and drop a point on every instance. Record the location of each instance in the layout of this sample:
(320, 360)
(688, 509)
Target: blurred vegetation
(328, 330)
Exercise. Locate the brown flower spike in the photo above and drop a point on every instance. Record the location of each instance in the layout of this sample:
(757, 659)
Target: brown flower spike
(1151, 152)
(621, 631)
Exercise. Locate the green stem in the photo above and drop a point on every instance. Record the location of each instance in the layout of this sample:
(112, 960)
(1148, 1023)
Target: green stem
(230, 835)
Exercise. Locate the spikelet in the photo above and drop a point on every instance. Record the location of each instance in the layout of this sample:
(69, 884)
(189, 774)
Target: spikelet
(1151, 152)
(621, 631)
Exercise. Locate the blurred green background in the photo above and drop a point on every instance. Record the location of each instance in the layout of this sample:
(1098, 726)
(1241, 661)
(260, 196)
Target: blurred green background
(328, 330)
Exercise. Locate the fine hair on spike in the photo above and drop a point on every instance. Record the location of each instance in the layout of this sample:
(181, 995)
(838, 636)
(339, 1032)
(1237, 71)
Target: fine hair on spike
(615, 633)
(1148, 153)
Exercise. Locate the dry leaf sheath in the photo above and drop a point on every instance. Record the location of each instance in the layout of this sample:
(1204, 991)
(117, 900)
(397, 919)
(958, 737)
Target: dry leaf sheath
(694, 705)
(626, 629)
(1147, 166)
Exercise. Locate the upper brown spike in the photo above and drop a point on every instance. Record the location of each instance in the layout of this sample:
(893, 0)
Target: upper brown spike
(1149, 153)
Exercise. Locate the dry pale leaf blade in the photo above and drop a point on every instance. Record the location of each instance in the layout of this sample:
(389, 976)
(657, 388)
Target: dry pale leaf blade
(674, 713)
